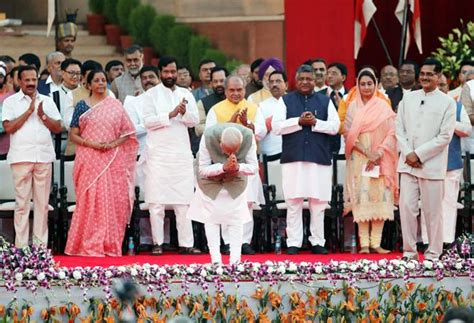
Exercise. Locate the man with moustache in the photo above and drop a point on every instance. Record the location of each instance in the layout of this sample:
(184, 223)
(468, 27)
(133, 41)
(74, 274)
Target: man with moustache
(218, 76)
(407, 74)
(67, 33)
(129, 82)
(168, 112)
(54, 80)
(270, 145)
(114, 69)
(320, 69)
(264, 71)
(388, 78)
(30, 118)
(205, 67)
(255, 84)
(306, 121)
(425, 124)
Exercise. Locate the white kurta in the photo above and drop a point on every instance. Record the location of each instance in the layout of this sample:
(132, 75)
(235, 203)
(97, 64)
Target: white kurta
(169, 160)
(254, 187)
(305, 179)
(271, 143)
(224, 209)
(134, 107)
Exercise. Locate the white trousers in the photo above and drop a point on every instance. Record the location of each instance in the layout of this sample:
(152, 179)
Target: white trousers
(247, 229)
(31, 180)
(294, 222)
(450, 207)
(431, 193)
(183, 224)
(214, 241)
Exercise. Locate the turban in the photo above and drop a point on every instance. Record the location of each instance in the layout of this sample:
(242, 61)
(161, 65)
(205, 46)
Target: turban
(67, 29)
(274, 62)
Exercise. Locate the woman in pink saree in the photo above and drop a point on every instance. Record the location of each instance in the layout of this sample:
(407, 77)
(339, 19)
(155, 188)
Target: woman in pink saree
(371, 146)
(104, 170)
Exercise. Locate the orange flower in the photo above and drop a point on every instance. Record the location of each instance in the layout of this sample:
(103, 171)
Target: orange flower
(439, 317)
(206, 315)
(410, 286)
(349, 305)
(421, 306)
(2, 310)
(323, 294)
(430, 288)
(44, 314)
(262, 316)
(363, 320)
(196, 309)
(373, 305)
(230, 299)
(62, 310)
(258, 294)
(388, 286)
(53, 310)
(75, 310)
(109, 319)
(284, 318)
(295, 298)
(275, 299)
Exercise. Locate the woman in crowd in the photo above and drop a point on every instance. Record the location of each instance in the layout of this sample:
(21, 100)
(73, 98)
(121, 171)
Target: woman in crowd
(369, 131)
(103, 172)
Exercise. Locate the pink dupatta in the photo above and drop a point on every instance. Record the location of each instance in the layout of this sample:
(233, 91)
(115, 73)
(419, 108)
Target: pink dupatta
(376, 114)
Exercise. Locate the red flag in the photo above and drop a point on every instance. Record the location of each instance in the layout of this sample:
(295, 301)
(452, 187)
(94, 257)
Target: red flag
(364, 11)
(415, 23)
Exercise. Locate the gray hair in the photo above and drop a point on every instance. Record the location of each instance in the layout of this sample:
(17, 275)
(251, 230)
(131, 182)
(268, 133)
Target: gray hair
(304, 69)
(231, 77)
(231, 137)
(53, 55)
(469, 73)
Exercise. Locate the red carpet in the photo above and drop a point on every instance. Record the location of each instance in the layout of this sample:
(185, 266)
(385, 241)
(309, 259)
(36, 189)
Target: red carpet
(173, 258)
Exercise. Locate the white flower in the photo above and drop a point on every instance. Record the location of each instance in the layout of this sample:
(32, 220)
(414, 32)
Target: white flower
(190, 270)
(203, 273)
(94, 276)
(390, 268)
(428, 264)
(366, 269)
(411, 265)
(440, 265)
(395, 262)
(19, 277)
(382, 262)
(61, 275)
(269, 263)
(402, 269)
(458, 265)
(133, 272)
(219, 270)
(304, 264)
(76, 274)
(382, 272)
(374, 266)
(122, 269)
(108, 274)
(270, 270)
(353, 267)
(343, 266)
(162, 271)
(282, 269)
(255, 266)
(292, 267)
(177, 271)
(318, 269)
(240, 267)
(146, 266)
(41, 276)
(28, 271)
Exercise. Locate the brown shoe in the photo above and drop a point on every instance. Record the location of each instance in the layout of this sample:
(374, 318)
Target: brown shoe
(157, 250)
(189, 251)
(364, 250)
(380, 250)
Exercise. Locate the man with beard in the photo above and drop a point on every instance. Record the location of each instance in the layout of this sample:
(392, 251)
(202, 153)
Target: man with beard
(114, 69)
(265, 69)
(307, 121)
(54, 80)
(407, 74)
(425, 124)
(236, 109)
(271, 144)
(218, 76)
(4, 93)
(30, 118)
(67, 33)
(168, 112)
(129, 82)
(205, 67)
(255, 84)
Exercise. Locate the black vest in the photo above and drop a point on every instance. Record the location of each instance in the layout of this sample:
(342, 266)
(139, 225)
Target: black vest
(209, 101)
(306, 145)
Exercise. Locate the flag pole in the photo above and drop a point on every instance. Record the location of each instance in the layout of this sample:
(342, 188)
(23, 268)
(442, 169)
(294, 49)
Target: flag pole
(403, 43)
(382, 42)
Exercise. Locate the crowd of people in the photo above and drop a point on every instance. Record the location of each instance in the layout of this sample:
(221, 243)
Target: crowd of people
(194, 149)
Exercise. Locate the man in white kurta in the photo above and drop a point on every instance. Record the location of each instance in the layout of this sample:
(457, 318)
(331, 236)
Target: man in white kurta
(425, 124)
(168, 112)
(220, 204)
(307, 121)
(232, 108)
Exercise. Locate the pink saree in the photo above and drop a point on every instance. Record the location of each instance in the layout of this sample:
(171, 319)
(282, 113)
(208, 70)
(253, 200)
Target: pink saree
(103, 182)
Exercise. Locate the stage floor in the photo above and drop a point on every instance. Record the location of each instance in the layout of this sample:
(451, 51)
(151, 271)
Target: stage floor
(175, 258)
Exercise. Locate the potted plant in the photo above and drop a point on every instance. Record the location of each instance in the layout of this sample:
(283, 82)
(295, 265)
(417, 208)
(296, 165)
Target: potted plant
(178, 43)
(159, 32)
(95, 19)
(112, 28)
(124, 8)
(197, 46)
(141, 19)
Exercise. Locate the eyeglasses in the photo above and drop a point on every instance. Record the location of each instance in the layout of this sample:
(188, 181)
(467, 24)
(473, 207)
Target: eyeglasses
(73, 73)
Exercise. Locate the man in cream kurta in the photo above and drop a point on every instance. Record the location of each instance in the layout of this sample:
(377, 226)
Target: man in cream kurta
(168, 112)
(425, 124)
(236, 109)
(223, 201)
(307, 121)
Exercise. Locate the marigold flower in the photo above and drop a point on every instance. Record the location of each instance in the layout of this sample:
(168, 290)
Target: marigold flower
(44, 314)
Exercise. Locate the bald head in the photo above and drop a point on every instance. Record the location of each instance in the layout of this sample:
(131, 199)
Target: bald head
(389, 77)
(234, 88)
(231, 139)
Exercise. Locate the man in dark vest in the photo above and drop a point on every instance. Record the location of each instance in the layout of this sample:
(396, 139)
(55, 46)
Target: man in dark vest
(307, 121)
(227, 155)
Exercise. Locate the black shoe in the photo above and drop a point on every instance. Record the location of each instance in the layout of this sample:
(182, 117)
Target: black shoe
(247, 249)
(421, 247)
(320, 250)
(292, 250)
(225, 249)
(189, 251)
(156, 250)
